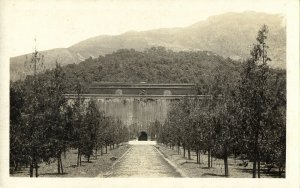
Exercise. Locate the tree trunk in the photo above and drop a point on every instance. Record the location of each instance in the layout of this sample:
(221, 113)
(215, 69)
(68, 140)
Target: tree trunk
(208, 158)
(189, 154)
(211, 161)
(88, 158)
(36, 169)
(226, 165)
(254, 169)
(199, 157)
(96, 152)
(32, 164)
(101, 150)
(58, 165)
(256, 153)
(61, 166)
(31, 170)
(78, 157)
(106, 148)
(258, 168)
(258, 161)
(183, 150)
(197, 154)
(226, 161)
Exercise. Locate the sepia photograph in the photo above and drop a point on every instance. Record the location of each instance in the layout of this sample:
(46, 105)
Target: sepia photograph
(137, 90)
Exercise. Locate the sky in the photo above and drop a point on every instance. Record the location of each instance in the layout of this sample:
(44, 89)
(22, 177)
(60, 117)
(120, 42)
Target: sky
(60, 24)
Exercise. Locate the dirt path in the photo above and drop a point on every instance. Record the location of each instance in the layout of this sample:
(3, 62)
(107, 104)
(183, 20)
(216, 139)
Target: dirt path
(143, 161)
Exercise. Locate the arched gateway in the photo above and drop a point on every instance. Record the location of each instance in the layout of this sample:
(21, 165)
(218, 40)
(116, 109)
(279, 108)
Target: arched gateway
(143, 136)
(136, 104)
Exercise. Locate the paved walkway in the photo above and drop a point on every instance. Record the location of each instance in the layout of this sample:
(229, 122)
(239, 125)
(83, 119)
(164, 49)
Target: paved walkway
(143, 161)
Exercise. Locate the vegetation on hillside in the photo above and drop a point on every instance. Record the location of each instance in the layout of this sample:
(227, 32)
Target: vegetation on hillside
(154, 65)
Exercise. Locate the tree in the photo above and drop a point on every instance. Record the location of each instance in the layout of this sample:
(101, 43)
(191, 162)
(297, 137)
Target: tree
(223, 112)
(178, 127)
(55, 104)
(253, 98)
(174, 126)
(42, 129)
(44, 116)
(199, 117)
(78, 109)
(225, 128)
(92, 124)
(34, 111)
(108, 131)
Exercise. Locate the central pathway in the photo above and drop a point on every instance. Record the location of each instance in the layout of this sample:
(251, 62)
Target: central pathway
(143, 161)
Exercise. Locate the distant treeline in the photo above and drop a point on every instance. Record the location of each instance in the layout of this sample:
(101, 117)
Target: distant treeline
(154, 65)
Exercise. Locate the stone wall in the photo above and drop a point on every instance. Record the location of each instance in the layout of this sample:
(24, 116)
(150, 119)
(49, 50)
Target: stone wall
(139, 111)
(133, 110)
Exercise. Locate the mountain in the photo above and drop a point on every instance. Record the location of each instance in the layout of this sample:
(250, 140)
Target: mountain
(229, 35)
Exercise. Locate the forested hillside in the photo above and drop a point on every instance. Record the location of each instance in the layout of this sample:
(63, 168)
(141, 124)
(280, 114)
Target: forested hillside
(154, 65)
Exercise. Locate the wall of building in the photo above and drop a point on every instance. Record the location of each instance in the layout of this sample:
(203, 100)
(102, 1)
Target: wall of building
(136, 104)
(133, 110)
(139, 111)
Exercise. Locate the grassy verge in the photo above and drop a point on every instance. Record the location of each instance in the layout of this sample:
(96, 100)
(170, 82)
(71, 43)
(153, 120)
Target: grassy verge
(96, 167)
(194, 170)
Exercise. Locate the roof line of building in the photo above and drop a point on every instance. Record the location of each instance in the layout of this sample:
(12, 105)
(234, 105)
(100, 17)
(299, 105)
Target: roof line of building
(146, 84)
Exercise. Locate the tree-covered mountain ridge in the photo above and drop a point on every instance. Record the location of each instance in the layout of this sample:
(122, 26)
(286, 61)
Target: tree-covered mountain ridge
(153, 65)
(229, 35)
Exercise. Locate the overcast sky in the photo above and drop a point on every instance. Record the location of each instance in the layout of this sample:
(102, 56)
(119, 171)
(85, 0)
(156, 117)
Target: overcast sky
(58, 24)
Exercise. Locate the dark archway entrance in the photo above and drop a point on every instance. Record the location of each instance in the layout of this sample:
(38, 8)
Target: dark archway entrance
(143, 136)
